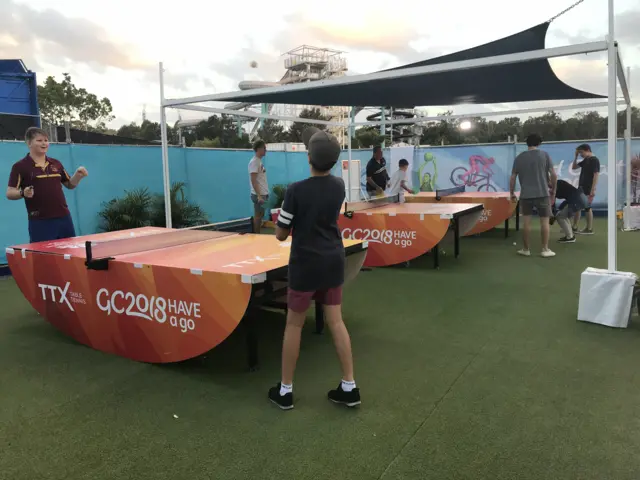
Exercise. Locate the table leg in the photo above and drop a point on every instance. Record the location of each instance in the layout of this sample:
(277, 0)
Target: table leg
(506, 228)
(252, 340)
(518, 216)
(456, 237)
(436, 260)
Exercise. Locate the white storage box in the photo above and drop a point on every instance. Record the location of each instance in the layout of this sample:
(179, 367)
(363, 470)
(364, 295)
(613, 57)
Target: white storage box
(631, 216)
(605, 297)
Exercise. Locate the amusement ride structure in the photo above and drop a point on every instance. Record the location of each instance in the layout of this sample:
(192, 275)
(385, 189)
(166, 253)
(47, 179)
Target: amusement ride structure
(310, 64)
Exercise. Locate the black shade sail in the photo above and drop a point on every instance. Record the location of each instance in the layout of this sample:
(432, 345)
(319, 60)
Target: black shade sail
(516, 82)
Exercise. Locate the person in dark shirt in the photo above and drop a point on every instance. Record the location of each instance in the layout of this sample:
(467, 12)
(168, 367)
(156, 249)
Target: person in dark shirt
(377, 175)
(589, 173)
(39, 179)
(574, 201)
(316, 265)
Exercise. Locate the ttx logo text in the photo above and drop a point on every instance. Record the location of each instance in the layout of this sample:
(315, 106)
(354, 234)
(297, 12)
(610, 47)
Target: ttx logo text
(61, 294)
(177, 313)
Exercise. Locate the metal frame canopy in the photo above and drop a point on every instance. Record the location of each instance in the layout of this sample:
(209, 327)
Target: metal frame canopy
(475, 61)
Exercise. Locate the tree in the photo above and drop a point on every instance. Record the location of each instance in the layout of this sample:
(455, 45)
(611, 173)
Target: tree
(65, 102)
(272, 131)
(294, 134)
(443, 132)
(221, 127)
(207, 143)
(147, 130)
(369, 136)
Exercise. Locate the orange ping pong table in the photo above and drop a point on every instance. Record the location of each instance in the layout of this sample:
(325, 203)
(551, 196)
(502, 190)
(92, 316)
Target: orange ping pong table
(400, 232)
(160, 295)
(498, 207)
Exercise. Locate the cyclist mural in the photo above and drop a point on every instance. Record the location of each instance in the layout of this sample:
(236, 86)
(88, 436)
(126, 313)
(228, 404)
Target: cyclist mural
(473, 177)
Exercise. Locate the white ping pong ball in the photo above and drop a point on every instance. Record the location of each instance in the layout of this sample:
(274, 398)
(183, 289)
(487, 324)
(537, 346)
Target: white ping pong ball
(514, 244)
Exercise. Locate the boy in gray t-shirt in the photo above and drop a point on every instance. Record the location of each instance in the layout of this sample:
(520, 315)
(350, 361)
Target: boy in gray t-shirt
(535, 171)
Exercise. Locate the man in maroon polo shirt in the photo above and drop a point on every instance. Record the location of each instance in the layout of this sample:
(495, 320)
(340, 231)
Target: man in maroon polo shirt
(39, 179)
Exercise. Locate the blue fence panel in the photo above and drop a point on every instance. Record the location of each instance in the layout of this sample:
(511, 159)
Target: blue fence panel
(218, 180)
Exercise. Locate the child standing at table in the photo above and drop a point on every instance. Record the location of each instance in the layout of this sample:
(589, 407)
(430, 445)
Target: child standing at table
(398, 181)
(316, 265)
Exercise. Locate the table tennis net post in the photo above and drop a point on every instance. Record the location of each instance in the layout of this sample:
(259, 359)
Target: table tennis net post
(445, 192)
(96, 250)
(373, 203)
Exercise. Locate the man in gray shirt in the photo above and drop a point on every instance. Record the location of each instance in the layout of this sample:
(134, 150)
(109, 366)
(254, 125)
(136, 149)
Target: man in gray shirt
(537, 190)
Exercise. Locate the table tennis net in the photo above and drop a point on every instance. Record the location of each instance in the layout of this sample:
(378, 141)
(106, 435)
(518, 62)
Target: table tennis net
(373, 203)
(154, 241)
(445, 192)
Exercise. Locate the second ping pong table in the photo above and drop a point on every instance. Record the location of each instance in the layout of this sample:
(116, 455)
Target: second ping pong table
(160, 295)
(400, 232)
(498, 207)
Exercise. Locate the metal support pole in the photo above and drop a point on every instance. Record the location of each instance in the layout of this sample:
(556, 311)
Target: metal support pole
(628, 146)
(611, 150)
(165, 152)
(349, 160)
(383, 128)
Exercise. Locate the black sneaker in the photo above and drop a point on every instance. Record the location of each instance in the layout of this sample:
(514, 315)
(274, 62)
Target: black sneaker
(350, 399)
(586, 231)
(285, 402)
(567, 240)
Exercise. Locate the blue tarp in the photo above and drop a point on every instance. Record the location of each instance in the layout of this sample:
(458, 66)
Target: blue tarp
(18, 99)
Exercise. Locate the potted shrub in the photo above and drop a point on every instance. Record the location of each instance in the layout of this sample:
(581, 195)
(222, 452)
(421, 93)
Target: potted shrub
(133, 210)
(139, 208)
(183, 213)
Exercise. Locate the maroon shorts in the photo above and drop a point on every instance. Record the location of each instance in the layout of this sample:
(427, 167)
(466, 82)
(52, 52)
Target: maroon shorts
(300, 302)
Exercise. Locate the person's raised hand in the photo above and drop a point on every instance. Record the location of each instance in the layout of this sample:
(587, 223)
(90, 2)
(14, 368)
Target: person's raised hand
(82, 172)
(28, 192)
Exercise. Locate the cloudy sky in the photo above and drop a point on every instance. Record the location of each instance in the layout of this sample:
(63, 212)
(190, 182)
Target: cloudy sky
(113, 48)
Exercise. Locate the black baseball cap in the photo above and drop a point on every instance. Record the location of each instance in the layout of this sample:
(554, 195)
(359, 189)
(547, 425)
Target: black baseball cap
(324, 149)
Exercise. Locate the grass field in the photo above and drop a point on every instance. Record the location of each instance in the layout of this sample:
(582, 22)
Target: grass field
(477, 371)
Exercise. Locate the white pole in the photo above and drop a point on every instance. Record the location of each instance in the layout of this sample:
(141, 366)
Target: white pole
(349, 160)
(628, 144)
(611, 150)
(165, 153)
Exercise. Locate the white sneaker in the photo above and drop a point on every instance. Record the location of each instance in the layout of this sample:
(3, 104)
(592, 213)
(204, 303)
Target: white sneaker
(524, 253)
(547, 253)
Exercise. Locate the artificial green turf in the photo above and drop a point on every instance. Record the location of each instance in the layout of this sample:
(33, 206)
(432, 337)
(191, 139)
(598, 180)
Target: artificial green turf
(477, 371)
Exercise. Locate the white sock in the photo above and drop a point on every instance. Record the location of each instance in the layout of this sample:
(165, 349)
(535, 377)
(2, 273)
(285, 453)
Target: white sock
(348, 386)
(284, 389)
